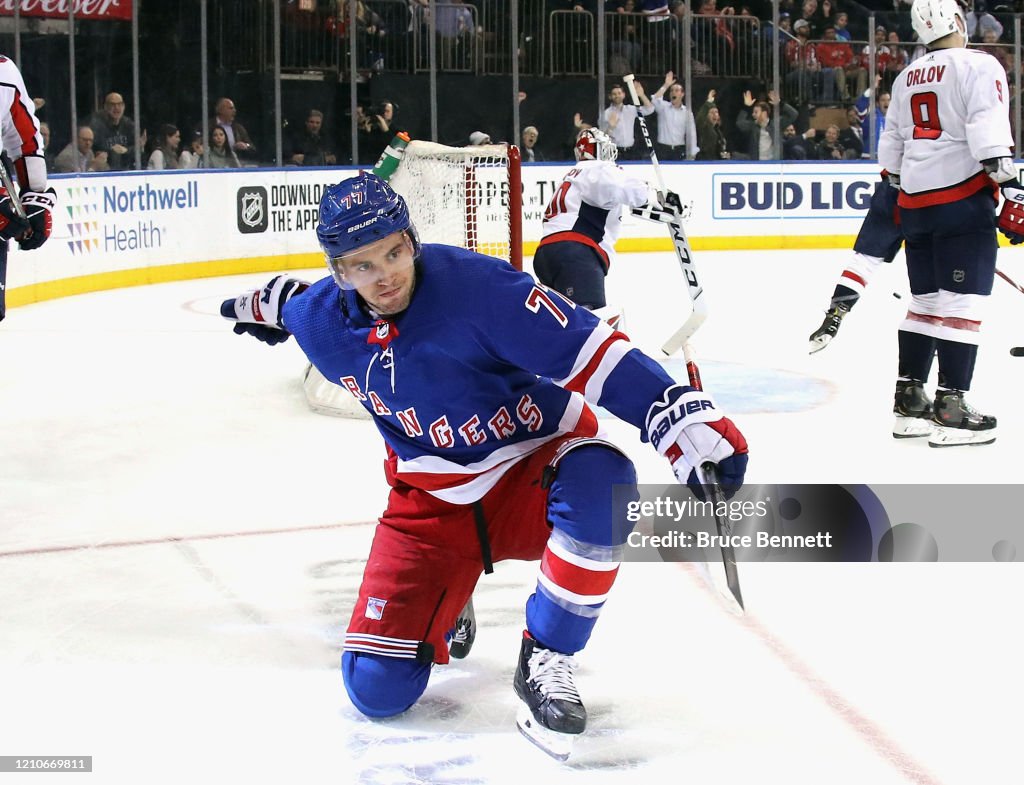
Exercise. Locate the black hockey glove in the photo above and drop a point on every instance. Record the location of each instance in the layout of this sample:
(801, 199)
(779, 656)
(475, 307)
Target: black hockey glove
(1011, 216)
(671, 201)
(11, 224)
(258, 311)
(39, 208)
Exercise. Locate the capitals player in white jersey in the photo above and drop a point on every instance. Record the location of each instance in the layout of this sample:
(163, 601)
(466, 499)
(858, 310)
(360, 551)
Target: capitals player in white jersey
(583, 219)
(23, 144)
(947, 140)
(481, 383)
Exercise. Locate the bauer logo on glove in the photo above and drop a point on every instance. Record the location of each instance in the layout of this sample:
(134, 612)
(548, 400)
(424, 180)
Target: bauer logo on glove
(686, 427)
(675, 414)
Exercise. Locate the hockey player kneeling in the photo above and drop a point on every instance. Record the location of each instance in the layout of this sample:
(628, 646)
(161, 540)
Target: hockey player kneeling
(481, 384)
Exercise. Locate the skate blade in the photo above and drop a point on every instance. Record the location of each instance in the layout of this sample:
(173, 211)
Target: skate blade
(819, 343)
(557, 745)
(911, 427)
(958, 437)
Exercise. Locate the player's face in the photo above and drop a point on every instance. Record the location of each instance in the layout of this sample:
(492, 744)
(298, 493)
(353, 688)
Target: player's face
(382, 273)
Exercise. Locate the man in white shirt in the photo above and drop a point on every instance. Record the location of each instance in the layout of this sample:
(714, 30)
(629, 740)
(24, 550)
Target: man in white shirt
(947, 140)
(619, 119)
(677, 129)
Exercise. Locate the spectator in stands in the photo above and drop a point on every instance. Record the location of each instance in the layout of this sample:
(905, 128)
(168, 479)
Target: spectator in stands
(898, 55)
(711, 139)
(624, 52)
(238, 137)
(873, 128)
(842, 20)
(754, 122)
(804, 77)
(657, 35)
(830, 148)
(528, 145)
(478, 138)
(882, 53)
(852, 137)
(999, 51)
(980, 21)
(382, 129)
(455, 32)
(798, 147)
(80, 156)
(677, 129)
(221, 155)
(309, 147)
(619, 119)
(837, 63)
(192, 158)
(165, 151)
(714, 42)
(810, 14)
(115, 133)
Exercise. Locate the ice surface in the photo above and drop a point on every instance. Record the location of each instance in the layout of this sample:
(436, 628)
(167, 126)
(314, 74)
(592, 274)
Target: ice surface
(181, 541)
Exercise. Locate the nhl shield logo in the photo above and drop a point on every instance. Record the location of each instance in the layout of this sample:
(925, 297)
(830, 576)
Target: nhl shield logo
(375, 608)
(252, 209)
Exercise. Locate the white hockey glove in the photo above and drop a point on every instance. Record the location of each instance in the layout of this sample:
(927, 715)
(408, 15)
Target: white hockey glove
(1011, 216)
(258, 311)
(686, 426)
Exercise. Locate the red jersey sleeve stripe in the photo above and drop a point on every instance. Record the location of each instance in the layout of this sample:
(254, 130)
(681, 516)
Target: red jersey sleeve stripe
(25, 125)
(579, 382)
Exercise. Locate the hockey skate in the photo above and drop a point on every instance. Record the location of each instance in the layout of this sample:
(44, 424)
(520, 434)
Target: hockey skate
(551, 714)
(913, 411)
(957, 423)
(464, 632)
(821, 337)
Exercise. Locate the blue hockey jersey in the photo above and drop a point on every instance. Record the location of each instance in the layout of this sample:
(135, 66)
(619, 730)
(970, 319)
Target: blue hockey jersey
(482, 368)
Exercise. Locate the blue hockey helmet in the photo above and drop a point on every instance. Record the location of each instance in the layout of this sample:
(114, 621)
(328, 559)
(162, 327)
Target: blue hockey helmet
(358, 212)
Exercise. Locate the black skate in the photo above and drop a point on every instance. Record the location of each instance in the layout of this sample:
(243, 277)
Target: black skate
(821, 337)
(913, 410)
(551, 714)
(956, 422)
(464, 633)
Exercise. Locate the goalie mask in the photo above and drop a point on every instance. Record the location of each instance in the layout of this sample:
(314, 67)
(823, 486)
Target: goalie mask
(358, 213)
(595, 145)
(935, 19)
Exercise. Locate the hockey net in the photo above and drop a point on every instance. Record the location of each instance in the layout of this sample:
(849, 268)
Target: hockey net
(470, 197)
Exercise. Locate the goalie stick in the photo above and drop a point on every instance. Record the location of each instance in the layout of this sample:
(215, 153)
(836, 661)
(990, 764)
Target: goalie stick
(680, 339)
(679, 243)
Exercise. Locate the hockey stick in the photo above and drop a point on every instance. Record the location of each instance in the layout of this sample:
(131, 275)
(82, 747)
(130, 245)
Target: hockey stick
(679, 243)
(5, 180)
(1010, 281)
(680, 339)
(717, 497)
